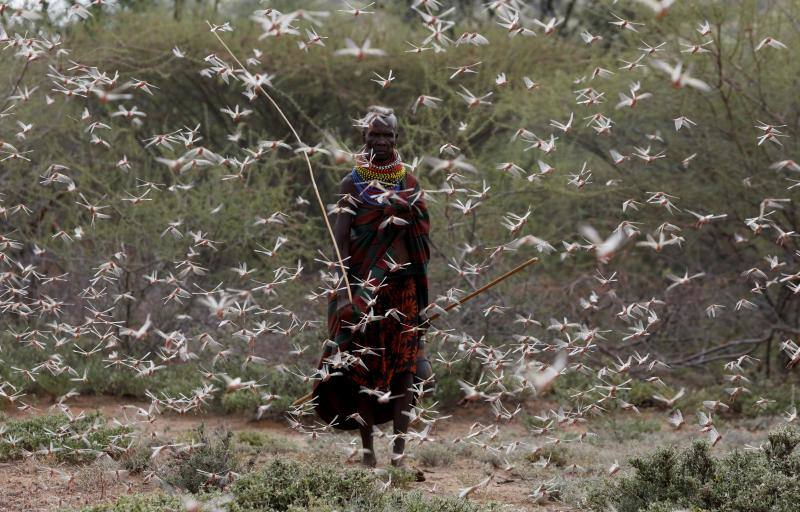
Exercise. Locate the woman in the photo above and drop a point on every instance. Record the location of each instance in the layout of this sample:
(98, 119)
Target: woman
(375, 338)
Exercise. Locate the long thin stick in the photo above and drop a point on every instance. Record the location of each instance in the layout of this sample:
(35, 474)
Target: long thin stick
(308, 163)
(486, 286)
(305, 398)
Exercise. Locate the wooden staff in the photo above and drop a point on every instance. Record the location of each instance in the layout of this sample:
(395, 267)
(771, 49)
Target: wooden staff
(305, 398)
(308, 164)
(486, 287)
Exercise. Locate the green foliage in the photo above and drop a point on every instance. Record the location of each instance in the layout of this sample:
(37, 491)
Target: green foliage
(291, 486)
(138, 503)
(243, 400)
(416, 501)
(137, 459)
(284, 483)
(215, 456)
(246, 401)
(401, 477)
(627, 426)
(395, 501)
(641, 393)
(176, 380)
(447, 391)
(261, 442)
(181, 378)
(435, 455)
(780, 393)
(741, 481)
(557, 454)
(568, 384)
(73, 441)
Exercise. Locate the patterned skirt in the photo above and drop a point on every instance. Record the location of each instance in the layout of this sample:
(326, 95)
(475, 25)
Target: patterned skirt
(395, 351)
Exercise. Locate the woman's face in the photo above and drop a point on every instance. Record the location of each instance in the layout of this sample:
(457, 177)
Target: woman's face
(380, 140)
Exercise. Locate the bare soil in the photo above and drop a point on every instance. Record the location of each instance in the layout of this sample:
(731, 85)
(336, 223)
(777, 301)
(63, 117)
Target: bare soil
(33, 486)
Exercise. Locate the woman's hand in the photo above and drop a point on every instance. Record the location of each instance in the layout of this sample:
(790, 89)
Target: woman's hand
(398, 210)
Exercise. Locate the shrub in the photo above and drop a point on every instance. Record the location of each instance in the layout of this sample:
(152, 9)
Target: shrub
(67, 437)
(401, 477)
(137, 459)
(291, 486)
(138, 503)
(242, 401)
(557, 454)
(417, 502)
(782, 394)
(265, 443)
(569, 384)
(641, 393)
(622, 427)
(740, 481)
(215, 456)
(435, 454)
(282, 484)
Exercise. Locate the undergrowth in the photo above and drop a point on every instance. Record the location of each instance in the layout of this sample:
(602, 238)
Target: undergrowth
(207, 466)
(740, 481)
(290, 486)
(64, 440)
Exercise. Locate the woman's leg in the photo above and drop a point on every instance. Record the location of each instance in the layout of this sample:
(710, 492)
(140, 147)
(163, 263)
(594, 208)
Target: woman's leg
(401, 385)
(365, 406)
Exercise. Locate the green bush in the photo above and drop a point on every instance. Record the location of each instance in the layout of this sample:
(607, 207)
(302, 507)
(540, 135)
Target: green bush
(568, 384)
(401, 477)
(292, 486)
(215, 456)
(641, 393)
(264, 443)
(74, 441)
(139, 503)
(241, 401)
(435, 455)
(741, 481)
(137, 459)
(627, 426)
(282, 484)
(557, 454)
(179, 379)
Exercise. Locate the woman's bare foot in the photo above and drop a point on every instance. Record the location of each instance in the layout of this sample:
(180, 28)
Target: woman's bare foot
(369, 460)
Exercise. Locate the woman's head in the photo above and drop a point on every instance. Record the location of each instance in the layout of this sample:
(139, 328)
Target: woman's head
(380, 132)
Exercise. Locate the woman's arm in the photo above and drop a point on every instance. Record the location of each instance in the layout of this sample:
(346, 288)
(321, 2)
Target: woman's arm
(341, 231)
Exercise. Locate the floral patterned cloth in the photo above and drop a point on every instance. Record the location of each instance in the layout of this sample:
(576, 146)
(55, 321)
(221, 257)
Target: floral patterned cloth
(407, 291)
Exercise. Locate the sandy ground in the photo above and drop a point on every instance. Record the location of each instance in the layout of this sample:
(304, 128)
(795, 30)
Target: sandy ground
(34, 486)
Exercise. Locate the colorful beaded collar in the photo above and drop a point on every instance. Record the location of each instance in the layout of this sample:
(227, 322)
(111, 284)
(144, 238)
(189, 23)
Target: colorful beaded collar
(389, 174)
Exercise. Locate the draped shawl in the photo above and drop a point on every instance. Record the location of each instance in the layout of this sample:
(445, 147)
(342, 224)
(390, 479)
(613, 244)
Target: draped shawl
(370, 244)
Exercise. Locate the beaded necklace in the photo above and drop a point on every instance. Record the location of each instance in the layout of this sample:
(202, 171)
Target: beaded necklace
(390, 175)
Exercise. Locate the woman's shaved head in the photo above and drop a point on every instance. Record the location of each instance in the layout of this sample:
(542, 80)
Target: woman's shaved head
(383, 115)
(379, 128)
